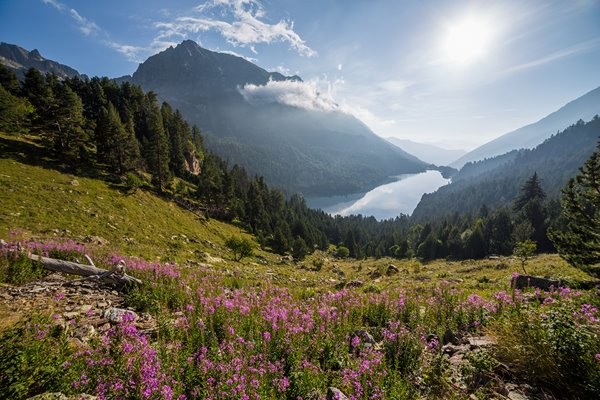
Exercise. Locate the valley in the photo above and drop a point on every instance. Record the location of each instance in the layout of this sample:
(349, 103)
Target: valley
(244, 199)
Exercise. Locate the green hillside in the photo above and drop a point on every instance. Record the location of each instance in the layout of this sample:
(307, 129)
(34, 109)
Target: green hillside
(46, 203)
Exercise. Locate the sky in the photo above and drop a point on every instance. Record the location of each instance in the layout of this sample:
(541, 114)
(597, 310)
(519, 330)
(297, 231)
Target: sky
(448, 72)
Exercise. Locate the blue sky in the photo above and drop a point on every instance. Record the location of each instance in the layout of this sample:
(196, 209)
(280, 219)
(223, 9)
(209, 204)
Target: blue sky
(457, 73)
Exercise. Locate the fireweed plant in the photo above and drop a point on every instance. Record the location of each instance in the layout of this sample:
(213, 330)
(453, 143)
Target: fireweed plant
(218, 341)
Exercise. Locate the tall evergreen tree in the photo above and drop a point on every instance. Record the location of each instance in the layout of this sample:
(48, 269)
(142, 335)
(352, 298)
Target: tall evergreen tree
(579, 243)
(116, 143)
(157, 153)
(65, 124)
(530, 205)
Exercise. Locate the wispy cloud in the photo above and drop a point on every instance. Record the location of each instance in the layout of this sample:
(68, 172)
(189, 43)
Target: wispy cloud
(240, 22)
(86, 26)
(305, 95)
(557, 55)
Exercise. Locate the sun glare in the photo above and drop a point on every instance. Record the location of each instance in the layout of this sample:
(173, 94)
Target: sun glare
(467, 40)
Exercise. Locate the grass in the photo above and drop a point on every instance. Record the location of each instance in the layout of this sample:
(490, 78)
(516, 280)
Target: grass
(264, 326)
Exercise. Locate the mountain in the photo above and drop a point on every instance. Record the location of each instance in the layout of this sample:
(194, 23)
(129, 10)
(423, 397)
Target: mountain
(20, 60)
(496, 181)
(527, 137)
(318, 151)
(428, 152)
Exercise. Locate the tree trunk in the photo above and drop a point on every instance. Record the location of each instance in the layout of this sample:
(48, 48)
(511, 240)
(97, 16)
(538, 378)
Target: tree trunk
(116, 275)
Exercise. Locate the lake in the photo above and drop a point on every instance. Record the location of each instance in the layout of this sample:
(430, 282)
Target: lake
(385, 201)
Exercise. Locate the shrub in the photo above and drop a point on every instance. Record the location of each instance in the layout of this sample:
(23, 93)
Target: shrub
(241, 247)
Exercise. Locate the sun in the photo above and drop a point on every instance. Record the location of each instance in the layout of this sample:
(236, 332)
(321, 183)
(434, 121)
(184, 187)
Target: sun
(467, 40)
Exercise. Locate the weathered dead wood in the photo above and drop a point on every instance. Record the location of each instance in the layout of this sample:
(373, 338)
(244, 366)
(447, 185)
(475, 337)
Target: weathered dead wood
(116, 275)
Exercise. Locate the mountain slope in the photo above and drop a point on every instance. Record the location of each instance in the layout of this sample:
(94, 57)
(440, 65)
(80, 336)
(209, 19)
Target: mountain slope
(20, 60)
(307, 150)
(496, 181)
(428, 152)
(584, 108)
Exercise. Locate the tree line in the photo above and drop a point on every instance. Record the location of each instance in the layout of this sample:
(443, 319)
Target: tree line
(118, 129)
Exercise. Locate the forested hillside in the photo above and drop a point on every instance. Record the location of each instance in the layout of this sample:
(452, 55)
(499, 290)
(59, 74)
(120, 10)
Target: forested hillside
(495, 182)
(118, 133)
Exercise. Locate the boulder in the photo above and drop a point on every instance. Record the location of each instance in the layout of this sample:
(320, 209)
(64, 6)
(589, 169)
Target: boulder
(528, 281)
(392, 269)
(115, 315)
(335, 394)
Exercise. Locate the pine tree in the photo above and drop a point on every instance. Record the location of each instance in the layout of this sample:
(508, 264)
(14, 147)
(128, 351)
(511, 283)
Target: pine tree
(116, 143)
(14, 112)
(158, 146)
(530, 205)
(531, 190)
(9, 81)
(579, 243)
(65, 124)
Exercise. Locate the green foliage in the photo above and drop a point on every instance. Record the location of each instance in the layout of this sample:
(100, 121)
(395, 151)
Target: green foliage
(524, 251)
(18, 269)
(299, 249)
(157, 152)
(550, 346)
(342, 252)
(15, 112)
(31, 359)
(240, 246)
(579, 243)
(116, 145)
(479, 368)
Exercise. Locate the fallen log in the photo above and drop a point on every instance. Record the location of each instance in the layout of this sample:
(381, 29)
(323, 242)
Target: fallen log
(116, 275)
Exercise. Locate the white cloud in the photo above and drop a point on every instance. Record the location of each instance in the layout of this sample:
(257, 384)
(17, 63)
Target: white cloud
(557, 55)
(305, 95)
(86, 26)
(239, 22)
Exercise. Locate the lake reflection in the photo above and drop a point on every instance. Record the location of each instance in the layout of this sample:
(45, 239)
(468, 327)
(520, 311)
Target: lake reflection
(389, 200)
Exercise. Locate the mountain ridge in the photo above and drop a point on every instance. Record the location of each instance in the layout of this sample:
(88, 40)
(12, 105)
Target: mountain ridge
(311, 151)
(496, 181)
(531, 135)
(20, 60)
(427, 152)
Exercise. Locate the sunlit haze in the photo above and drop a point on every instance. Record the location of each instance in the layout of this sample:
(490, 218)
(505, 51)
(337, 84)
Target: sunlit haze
(454, 73)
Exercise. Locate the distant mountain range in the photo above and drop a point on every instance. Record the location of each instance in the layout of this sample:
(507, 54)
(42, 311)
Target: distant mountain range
(266, 122)
(428, 152)
(20, 60)
(527, 137)
(496, 181)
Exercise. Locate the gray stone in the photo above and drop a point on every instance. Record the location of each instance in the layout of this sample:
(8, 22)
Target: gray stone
(528, 281)
(335, 394)
(517, 396)
(115, 315)
(481, 341)
(392, 269)
(49, 396)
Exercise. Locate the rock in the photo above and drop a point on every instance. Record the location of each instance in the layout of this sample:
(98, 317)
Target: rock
(96, 240)
(450, 337)
(335, 394)
(70, 315)
(392, 269)
(528, 281)
(517, 396)
(85, 332)
(375, 274)
(481, 341)
(365, 336)
(115, 315)
(451, 349)
(49, 396)
(74, 182)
